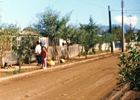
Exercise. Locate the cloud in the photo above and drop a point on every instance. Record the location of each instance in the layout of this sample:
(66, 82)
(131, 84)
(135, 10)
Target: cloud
(127, 20)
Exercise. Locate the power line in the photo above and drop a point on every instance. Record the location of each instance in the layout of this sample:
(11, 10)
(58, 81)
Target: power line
(126, 10)
(56, 2)
(132, 13)
(92, 4)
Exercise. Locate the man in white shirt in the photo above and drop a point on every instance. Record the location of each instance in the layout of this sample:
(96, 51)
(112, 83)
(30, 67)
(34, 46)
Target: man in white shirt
(38, 53)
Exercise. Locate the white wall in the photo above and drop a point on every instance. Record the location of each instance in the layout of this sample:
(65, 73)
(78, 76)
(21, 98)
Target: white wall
(61, 41)
(43, 41)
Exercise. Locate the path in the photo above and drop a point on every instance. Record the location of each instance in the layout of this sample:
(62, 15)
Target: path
(89, 81)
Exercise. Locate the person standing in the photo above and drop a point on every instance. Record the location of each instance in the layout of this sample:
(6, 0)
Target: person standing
(40, 44)
(38, 53)
(44, 56)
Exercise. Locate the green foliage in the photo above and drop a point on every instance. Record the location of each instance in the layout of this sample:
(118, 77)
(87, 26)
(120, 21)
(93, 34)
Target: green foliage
(108, 38)
(5, 45)
(6, 36)
(105, 51)
(50, 24)
(97, 52)
(100, 41)
(29, 29)
(76, 36)
(130, 67)
(89, 35)
(90, 53)
(138, 34)
(22, 47)
(67, 34)
(82, 54)
(117, 32)
(14, 72)
(10, 30)
(18, 71)
(129, 34)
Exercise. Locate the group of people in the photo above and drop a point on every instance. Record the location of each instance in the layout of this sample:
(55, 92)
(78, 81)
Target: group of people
(41, 54)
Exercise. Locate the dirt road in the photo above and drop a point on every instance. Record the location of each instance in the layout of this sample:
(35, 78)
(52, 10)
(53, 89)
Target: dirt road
(89, 81)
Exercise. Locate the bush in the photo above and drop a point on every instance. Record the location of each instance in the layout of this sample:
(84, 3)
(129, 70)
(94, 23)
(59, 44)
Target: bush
(82, 53)
(97, 52)
(18, 71)
(90, 53)
(14, 72)
(130, 68)
(104, 50)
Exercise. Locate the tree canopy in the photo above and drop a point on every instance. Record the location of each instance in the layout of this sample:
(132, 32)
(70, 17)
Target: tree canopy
(50, 24)
(90, 33)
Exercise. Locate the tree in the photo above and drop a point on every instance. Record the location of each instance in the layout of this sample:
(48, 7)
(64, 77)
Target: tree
(90, 33)
(76, 36)
(138, 34)
(6, 36)
(67, 35)
(50, 24)
(129, 34)
(22, 48)
(10, 30)
(117, 32)
(29, 28)
(108, 38)
(100, 41)
(5, 45)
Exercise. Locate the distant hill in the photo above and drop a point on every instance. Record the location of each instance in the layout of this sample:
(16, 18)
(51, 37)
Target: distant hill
(104, 28)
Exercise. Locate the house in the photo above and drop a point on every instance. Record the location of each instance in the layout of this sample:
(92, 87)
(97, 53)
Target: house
(46, 41)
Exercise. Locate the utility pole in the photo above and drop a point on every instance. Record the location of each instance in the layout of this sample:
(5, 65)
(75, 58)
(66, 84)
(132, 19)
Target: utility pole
(0, 14)
(110, 28)
(130, 21)
(122, 29)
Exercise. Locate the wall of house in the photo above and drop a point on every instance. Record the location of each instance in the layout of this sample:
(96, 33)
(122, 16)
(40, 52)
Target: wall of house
(73, 51)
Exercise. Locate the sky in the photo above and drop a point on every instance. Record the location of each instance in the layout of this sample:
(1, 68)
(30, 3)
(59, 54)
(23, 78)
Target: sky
(23, 12)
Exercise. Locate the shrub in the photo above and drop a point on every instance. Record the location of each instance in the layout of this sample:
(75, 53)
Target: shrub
(82, 53)
(14, 72)
(90, 53)
(18, 71)
(97, 52)
(130, 68)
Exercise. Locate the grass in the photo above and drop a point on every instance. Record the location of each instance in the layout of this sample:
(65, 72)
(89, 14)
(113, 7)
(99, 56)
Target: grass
(14, 72)
(91, 53)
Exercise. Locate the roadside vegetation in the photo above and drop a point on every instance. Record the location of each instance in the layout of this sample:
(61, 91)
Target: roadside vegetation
(12, 73)
(130, 67)
(91, 53)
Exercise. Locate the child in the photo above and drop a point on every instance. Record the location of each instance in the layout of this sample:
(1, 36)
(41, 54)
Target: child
(44, 56)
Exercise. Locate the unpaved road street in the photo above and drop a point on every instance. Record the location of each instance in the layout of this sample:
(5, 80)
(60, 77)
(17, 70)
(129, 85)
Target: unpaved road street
(89, 81)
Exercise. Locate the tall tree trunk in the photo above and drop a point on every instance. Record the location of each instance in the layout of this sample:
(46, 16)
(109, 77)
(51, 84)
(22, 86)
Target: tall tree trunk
(56, 53)
(79, 50)
(67, 50)
(20, 66)
(29, 60)
(93, 50)
(53, 55)
(54, 49)
(86, 55)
